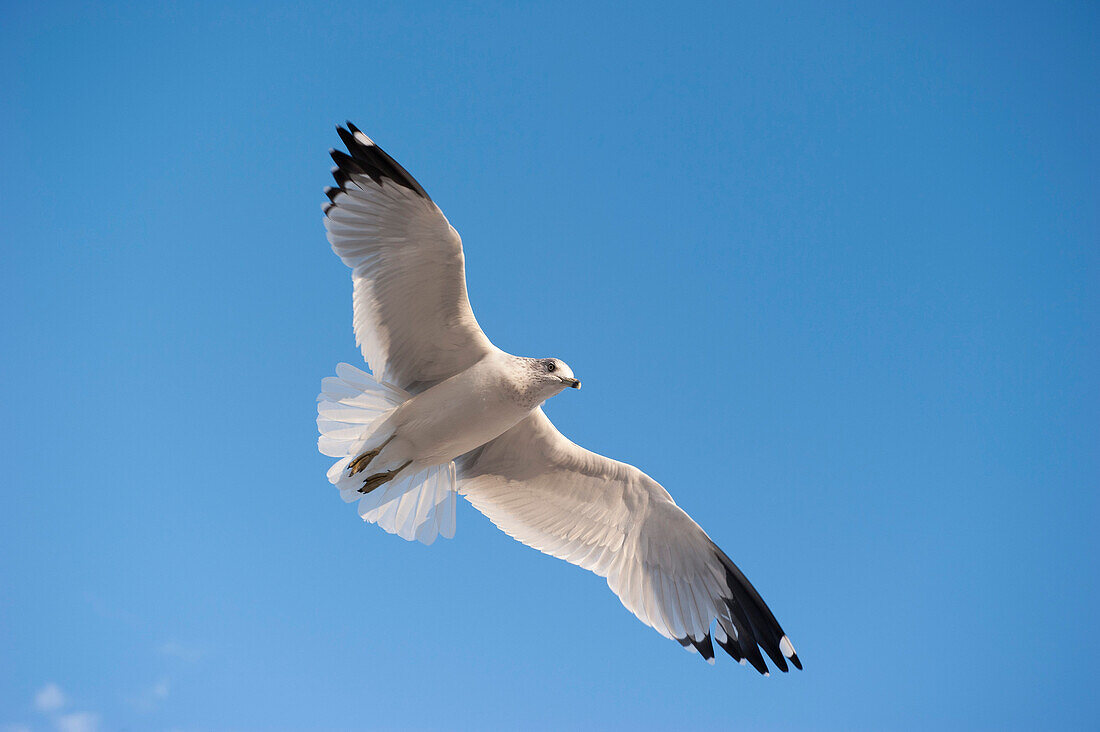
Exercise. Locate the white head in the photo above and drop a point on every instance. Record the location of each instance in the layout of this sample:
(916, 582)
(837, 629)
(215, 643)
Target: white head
(549, 376)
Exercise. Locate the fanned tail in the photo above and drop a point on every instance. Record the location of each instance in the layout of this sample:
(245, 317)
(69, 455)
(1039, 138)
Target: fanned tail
(351, 415)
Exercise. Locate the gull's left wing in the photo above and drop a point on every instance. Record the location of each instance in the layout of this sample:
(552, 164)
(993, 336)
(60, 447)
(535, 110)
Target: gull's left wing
(412, 315)
(613, 519)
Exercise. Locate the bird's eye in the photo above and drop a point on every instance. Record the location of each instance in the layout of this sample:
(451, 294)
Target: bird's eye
(551, 366)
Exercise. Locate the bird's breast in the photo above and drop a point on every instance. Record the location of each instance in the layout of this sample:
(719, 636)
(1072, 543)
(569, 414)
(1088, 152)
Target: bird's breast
(459, 414)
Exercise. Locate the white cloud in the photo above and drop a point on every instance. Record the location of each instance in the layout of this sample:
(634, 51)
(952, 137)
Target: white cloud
(78, 722)
(181, 651)
(49, 698)
(151, 696)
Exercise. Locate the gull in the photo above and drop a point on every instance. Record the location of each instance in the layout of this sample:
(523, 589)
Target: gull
(444, 412)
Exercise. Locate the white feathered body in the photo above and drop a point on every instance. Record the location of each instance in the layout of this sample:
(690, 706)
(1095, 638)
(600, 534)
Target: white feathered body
(456, 415)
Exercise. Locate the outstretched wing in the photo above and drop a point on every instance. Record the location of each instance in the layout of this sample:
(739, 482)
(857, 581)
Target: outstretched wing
(412, 316)
(613, 519)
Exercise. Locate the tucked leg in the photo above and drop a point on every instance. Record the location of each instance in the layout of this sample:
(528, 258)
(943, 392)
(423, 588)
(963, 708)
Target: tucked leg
(361, 462)
(378, 479)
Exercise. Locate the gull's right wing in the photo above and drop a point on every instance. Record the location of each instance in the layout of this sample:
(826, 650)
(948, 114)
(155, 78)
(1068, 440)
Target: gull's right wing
(412, 316)
(613, 519)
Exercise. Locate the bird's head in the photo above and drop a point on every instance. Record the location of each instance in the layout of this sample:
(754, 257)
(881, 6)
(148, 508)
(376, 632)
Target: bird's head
(552, 375)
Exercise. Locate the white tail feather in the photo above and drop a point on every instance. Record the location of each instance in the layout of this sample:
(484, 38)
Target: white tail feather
(351, 407)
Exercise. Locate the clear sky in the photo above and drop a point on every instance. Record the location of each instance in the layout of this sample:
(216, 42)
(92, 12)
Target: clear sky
(830, 274)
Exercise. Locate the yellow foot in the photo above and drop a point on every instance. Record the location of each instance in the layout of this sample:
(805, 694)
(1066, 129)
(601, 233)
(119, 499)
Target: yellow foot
(378, 479)
(361, 462)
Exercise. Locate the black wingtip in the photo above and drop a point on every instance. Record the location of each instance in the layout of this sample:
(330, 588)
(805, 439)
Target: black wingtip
(756, 625)
(349, 140)
(796, 662)
(729, 645)
(705, 648)
(345, 161)
(364, 157)
(758, 663)
(340, 177)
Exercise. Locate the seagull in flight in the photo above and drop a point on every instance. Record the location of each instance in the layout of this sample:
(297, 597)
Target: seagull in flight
(444, 413)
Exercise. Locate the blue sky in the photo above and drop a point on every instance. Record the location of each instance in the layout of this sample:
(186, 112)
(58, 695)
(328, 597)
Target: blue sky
(828, 273)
